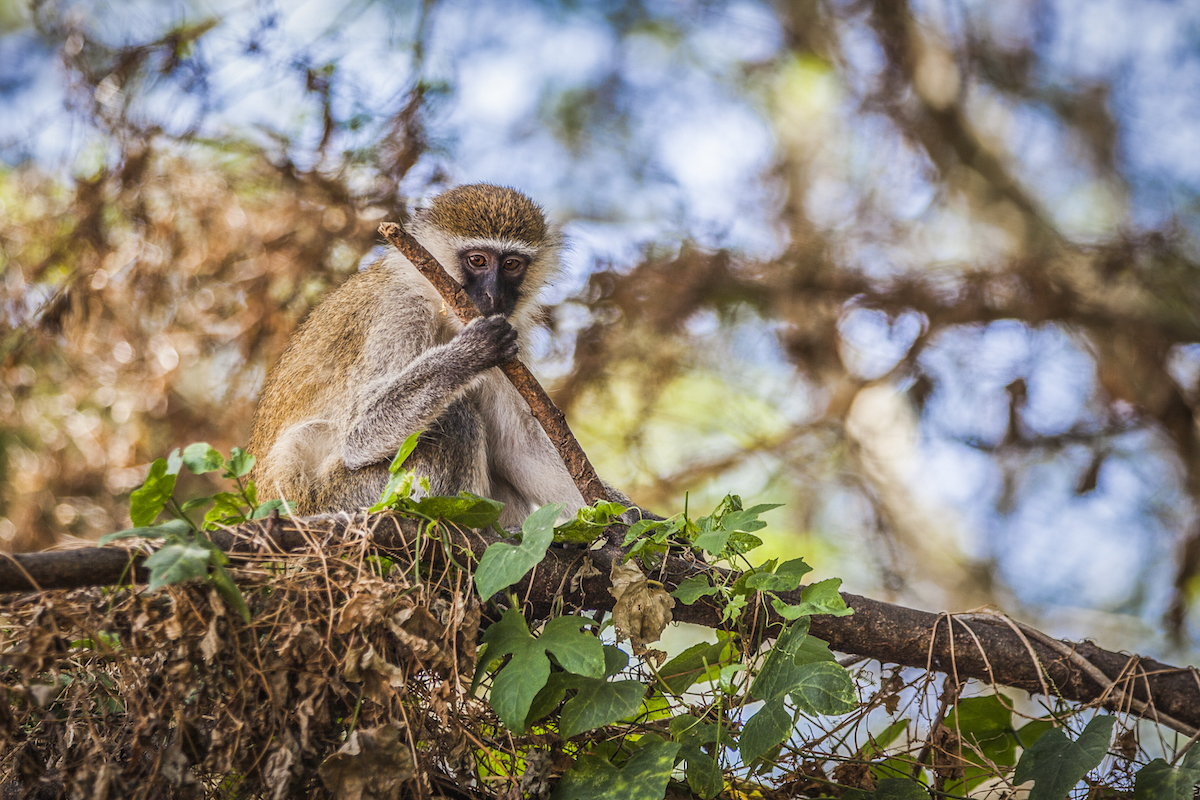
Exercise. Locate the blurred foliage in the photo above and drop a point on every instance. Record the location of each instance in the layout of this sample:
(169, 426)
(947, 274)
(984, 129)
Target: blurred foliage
(958, 264)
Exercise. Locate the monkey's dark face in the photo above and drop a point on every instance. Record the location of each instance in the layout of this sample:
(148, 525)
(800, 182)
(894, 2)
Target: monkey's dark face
(492, 278)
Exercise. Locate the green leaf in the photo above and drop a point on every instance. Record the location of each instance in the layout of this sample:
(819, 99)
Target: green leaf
(812, 650)
(1029, 733)
(598, 703)
(148, 501)
(643, 777)
(986, 724)
(264, 509)
(692, 664)
(221, 579)
(900, 789)
(716, 530)
(615, 660)
(175, 563)
(880, 741)
(547, 698)
(239, 464)
(227, 510)
(195, 502)
(824, 688)
(1055, 763)
(780, 673)
(399, 487)
(202, 457)
(519, 682)
(404, 452)
(692, 589)
(784, 579)
(504, 564)
(171, 529)
(467, 510)
(589, 522)
(704, 775)
(821, 597)
(687, 729)
(1158, 780)
(573, 649)
(769, 726)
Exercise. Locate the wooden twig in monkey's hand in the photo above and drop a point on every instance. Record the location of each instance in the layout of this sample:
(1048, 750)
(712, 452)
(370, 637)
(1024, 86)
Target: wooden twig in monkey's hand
(544, 411)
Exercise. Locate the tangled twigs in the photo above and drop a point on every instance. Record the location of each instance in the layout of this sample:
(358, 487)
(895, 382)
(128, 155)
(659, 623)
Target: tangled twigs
(980, 646)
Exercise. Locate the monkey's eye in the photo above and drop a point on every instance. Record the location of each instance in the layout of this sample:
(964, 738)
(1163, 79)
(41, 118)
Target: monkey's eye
(514, 264)
(477, 260)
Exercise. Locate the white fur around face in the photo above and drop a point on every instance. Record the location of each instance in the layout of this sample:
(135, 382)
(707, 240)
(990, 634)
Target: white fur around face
(445, 247)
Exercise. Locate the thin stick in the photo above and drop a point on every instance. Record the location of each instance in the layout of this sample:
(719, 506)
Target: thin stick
(540, 404)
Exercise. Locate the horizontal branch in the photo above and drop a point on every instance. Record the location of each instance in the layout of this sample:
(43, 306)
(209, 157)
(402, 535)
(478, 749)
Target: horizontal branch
(985, 647)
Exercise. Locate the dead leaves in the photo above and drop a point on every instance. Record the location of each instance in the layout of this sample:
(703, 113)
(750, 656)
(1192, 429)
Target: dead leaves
(643, 607)
(372, 765)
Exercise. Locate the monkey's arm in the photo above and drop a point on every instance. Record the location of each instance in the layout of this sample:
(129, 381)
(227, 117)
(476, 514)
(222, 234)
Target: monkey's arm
(394, 406)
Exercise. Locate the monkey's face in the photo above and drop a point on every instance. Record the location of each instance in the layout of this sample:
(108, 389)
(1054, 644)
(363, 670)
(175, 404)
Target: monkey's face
(493, 278)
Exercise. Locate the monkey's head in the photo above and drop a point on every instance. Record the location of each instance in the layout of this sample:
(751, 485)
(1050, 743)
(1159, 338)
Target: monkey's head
(495, 241)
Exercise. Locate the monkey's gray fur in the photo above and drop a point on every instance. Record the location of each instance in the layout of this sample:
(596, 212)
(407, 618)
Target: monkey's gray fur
(383, 357)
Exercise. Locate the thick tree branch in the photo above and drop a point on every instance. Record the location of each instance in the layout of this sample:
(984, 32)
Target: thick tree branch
(544, 411)
(985, 647)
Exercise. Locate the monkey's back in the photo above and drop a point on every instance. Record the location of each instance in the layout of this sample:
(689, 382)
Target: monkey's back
(312, 380)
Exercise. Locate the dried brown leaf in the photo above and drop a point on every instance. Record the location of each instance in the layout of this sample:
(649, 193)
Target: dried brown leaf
(372, 765)
(643, 608)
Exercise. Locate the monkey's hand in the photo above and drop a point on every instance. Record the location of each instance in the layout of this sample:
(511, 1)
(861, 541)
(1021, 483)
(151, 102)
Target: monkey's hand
(487, 342)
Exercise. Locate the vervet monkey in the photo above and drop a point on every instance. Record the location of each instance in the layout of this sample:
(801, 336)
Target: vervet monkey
(383, 356)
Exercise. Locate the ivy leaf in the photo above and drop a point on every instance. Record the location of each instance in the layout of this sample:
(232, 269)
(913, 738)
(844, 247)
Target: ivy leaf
(784, 579)
(202, 457)
(900, 789)
(239, 464)
(1158, 780)
(598, 703)
(769, 726)
(692, 589)
(824, 688)
(1029, 733)
(176, 563)
(147, 501)
(171, 529)
(779, 673)
(518, 682)
(226, 510)
(692, 664)
(986, 723)
(1055, 763)
(615, 660)
(405, 451)
(821, 597)
(589, 522)
(573, 649)
(643, 777)
(504, 564)
(812, 650)
(195, 502)
(264, 509)
(467, 510)
(547, 698)
(704, 775)
(229, 590)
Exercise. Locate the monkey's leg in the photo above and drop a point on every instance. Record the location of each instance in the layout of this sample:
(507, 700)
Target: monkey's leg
(452, 453)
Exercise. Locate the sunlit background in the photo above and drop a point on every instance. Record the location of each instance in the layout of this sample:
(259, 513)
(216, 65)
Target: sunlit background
(926, 273)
